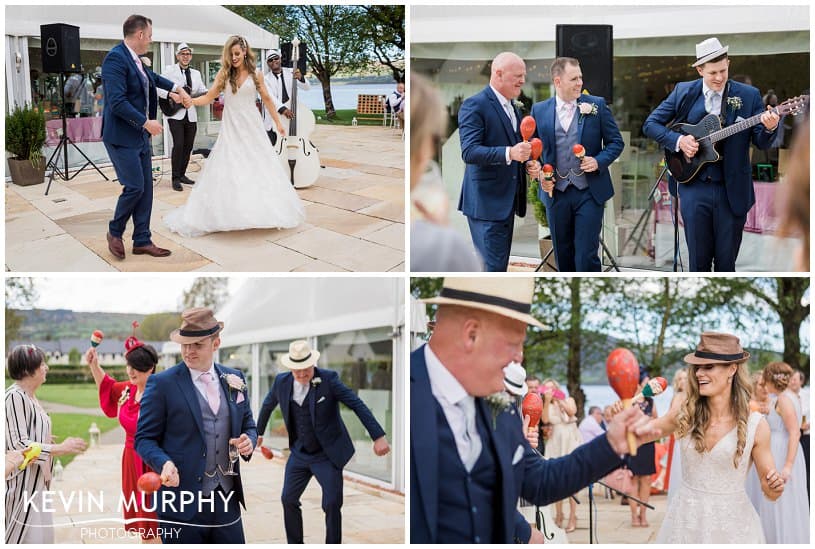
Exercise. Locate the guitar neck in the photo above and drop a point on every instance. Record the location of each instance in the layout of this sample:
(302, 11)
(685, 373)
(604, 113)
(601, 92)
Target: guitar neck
(736, 128)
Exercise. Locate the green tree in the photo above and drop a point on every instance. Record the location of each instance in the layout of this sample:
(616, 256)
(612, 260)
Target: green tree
(157, 327)
(20, 293)
(74, 357)
(385, 27)
(208, 291)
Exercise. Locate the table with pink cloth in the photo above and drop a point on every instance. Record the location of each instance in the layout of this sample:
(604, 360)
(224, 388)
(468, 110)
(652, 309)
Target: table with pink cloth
(761, 218)
(80, 130)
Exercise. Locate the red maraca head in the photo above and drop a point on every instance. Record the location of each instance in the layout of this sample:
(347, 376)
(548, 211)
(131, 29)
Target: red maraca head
(532, 406)
(267, 453)
(548, 170)
(537, 148)
(579, 151)
(527, 127)
(149, 482)
(623, 372)
(662, 382)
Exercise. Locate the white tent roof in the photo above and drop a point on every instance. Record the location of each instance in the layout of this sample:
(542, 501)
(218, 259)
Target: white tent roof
(196, 24)
(275, 309)
(480, 32)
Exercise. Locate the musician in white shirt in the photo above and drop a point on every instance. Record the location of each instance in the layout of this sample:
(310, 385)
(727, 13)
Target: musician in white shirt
(184, 123)
(279, 83)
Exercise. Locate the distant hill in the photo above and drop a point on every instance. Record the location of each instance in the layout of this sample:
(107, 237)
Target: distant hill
(43, 324)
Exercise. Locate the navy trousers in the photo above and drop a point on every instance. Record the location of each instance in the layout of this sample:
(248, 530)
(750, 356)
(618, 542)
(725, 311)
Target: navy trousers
(211, 525)
(712, 231)
(133, 168)
(493, 240)
(299, 469)
(575, 220)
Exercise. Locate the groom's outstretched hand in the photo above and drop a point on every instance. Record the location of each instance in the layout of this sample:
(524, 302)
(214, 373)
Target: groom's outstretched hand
(244, 444)
(632, 420)
(381, 446)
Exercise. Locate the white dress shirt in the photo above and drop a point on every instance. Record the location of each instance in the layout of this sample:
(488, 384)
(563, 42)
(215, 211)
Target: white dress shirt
(507, 106)
(449, 393)
(299, 392)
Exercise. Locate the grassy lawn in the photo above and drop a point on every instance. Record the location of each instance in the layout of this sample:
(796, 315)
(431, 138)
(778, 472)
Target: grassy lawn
(83, 395)
(344, 118)
(77, 425)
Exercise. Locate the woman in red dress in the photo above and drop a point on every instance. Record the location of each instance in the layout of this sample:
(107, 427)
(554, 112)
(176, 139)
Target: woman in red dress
(123, 399)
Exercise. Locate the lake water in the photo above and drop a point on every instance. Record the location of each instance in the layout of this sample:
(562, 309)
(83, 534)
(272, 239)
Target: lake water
(344, 95)
(603, 395)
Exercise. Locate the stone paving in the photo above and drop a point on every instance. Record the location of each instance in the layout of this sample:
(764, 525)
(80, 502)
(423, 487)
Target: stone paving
(355, 218)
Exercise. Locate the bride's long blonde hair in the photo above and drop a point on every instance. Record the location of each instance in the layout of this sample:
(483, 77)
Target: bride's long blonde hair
(228, 73)
(695, 412)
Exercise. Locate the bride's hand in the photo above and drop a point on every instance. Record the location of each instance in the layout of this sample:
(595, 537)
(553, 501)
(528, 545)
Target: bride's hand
(281, 131)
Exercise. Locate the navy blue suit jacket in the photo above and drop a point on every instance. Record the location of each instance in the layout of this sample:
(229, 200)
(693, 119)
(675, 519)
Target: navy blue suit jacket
(491, 190)
(125, 102)
(599, 135)
(522, 472)
(735, 149)
(171, 428)
(324, 406)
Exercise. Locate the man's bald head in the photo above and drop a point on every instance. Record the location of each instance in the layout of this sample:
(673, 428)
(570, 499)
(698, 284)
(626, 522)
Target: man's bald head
(508, 74)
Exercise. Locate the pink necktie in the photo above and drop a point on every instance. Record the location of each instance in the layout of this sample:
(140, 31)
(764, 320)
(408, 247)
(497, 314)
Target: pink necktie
(213, 394)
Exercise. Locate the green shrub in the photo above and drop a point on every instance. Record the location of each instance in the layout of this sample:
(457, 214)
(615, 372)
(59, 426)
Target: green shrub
(25, 133)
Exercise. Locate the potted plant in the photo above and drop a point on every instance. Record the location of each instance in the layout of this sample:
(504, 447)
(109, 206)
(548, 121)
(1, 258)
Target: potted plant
(25, 137)
(544, 236)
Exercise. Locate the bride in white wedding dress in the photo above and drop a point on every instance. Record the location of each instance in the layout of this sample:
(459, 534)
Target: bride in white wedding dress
(718, 437)
(242, 184)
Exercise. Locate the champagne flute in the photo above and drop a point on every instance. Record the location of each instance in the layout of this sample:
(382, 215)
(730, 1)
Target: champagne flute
(233, 458)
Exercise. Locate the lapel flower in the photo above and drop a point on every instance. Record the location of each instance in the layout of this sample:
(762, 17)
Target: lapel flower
(498, 402)
(315, 381)
(734, 102)
(587, 109)
(517, 104)
(125, 396)
(234, 383)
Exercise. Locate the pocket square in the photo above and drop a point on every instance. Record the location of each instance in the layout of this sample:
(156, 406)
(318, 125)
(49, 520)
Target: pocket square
(519, 454)
(322, 398)
(239, 399)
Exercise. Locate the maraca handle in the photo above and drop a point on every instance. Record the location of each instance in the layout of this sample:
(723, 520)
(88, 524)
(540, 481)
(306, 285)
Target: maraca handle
(632, 440)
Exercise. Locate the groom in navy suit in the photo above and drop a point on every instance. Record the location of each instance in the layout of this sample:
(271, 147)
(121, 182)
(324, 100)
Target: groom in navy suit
(580, 187)
(469, 461)
(494, 186)
(309, 399)
(129, 122)
(190, 415)
(714, 204)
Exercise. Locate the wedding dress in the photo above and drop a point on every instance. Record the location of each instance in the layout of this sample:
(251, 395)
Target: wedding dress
(711, 505)
(242, 184)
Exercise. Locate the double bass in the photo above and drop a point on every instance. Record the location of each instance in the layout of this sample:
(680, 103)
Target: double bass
(297, 153)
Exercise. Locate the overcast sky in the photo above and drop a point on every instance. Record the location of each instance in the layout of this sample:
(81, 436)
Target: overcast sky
(117, 294)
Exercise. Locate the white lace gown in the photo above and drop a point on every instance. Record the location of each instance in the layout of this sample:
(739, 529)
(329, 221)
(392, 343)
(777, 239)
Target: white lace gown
(242, 184)
(711, 505)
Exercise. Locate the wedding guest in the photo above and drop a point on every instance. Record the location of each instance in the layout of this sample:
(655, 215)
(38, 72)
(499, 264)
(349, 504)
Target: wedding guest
(796, 383)
(434, 247)
(123, 400)
(785, 520)
(396, 101)
(26, 423)
(592, 425)
(319, 441)
(561, 412)
(643, 465)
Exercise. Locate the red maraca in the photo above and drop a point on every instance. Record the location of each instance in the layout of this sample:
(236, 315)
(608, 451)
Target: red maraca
(527, 127)
(532, 406)
(579, 151)
(623, 373)
(548, 174)
(149, 482)
(537, 148)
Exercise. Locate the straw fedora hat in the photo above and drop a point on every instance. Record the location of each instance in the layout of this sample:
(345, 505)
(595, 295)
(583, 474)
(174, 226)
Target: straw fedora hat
(196, 324)
(709, 49)
(515, 379)
(506, 296)
(300, 356)
(717, 348)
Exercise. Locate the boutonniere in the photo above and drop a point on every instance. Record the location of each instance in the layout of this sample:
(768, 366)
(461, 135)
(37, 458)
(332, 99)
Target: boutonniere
(517, 104)
(498, 402)
(315, 381)
(234, 383)
(125, 396)
(587, 109)
(734, 102)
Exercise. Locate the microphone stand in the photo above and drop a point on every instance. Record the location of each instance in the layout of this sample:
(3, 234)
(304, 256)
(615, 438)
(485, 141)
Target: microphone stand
(591, 504)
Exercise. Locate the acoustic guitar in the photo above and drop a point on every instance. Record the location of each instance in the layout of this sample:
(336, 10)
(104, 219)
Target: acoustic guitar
(170, 107)
(709, 131)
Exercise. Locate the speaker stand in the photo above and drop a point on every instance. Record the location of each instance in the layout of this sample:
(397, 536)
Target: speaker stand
(62, 149)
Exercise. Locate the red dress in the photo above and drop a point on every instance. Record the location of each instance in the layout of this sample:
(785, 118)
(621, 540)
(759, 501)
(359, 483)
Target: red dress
(110, 393)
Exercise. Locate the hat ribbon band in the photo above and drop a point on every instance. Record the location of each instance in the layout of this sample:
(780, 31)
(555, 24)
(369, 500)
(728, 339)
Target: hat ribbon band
(305, 358)
(517, 385)
(717, 356)
(486, 299)
(199, 333)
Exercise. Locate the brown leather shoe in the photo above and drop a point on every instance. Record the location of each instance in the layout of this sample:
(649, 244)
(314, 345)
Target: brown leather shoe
(151, 249)
(116, 246)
